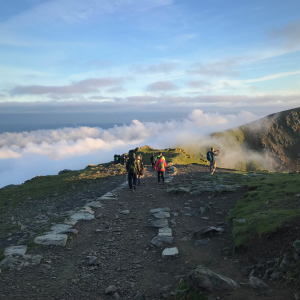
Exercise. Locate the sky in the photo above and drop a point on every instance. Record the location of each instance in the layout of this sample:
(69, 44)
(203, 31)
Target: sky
(169, 70)
(130, 56)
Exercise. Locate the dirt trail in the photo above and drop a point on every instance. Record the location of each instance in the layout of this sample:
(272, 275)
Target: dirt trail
(115, 249)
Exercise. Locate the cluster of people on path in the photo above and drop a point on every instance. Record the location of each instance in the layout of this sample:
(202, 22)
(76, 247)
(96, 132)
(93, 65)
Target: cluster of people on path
(135, 166)
(135, 169)
(120, 159)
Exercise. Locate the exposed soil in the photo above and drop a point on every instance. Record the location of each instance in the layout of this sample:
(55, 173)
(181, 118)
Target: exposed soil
(126, 258)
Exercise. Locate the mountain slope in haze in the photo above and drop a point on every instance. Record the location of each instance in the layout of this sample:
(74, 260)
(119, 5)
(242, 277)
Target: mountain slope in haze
(276, 138)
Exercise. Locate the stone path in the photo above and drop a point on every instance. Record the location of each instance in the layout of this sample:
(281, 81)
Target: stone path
(118, 254)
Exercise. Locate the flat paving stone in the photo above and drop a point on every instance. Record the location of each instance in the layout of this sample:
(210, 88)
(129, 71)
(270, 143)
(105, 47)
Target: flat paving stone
(169, 252)
(15, 250)
(82, 216)
(160, 223)
(51, 239)
(166, 231)
(157, 210)
(161, 240)
(94, 204)
(162, 215)
(60, 228)
(87, 209)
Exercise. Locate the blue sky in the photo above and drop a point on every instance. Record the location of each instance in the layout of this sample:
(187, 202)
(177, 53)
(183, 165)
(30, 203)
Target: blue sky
(124, 55)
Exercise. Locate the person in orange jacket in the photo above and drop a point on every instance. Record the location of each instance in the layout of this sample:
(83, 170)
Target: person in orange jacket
(160, 166)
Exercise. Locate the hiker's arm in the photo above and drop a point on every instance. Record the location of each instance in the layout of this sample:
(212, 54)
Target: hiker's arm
(217, 152)
(165, 164)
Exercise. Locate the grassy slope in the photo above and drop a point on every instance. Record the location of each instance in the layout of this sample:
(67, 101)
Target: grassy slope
(173, 156)
(271, 200)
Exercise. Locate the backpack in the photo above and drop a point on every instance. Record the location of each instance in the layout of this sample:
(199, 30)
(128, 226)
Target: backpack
(161, 165)
(132, 168)
(209, 157)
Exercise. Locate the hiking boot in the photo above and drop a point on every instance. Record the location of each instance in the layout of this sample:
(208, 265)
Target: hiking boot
(134, 187)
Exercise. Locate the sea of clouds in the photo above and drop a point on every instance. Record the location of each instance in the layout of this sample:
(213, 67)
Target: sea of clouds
(45, 152)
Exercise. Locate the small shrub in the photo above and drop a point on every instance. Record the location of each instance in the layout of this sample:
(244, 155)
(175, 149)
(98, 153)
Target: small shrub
(254, 166)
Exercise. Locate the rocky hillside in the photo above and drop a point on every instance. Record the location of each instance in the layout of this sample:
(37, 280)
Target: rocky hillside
(275, 137)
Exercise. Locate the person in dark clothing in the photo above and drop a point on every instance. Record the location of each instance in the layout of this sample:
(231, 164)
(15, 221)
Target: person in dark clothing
(211, 155)
(160, 166)
(132, 169)
(152, 159)
(141, 169)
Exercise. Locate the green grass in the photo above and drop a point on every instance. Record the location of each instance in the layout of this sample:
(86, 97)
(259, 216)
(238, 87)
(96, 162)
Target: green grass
(173, 156)
(48, 186)
(187, 293)
(268, 203)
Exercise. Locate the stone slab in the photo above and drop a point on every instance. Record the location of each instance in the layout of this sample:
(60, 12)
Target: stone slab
(87, 209)
(160, 223)
(82, 216)
(60, 228)
(15, 250)
(162, 215)
(162, 240)
(157, 210)
(51, 239)
(169, 252)
(165, 231)
(94, 204)
(71, 222)
(107, 198)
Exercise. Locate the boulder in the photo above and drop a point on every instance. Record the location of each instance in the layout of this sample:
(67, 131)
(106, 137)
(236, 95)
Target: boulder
(206, 279)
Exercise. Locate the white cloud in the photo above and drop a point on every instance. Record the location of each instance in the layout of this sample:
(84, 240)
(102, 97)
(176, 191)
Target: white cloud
(27, 154)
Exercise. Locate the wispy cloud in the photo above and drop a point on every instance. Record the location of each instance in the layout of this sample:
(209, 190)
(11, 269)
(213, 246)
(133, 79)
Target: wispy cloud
(165, 67)
(91, 85)
(161, 86)
(289, 34)
(226, 67)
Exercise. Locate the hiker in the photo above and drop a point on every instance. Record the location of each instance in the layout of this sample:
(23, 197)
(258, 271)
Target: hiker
(211, 157)
(160, 166)
(152, 159)
(158, 157)
(115, 159)
(140, 168)
(132, 169)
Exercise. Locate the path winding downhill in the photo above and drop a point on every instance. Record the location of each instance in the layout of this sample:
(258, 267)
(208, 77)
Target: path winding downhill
(115, 249)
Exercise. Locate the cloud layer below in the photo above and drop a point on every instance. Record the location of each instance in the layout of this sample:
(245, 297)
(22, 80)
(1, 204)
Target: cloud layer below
(27, 154)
